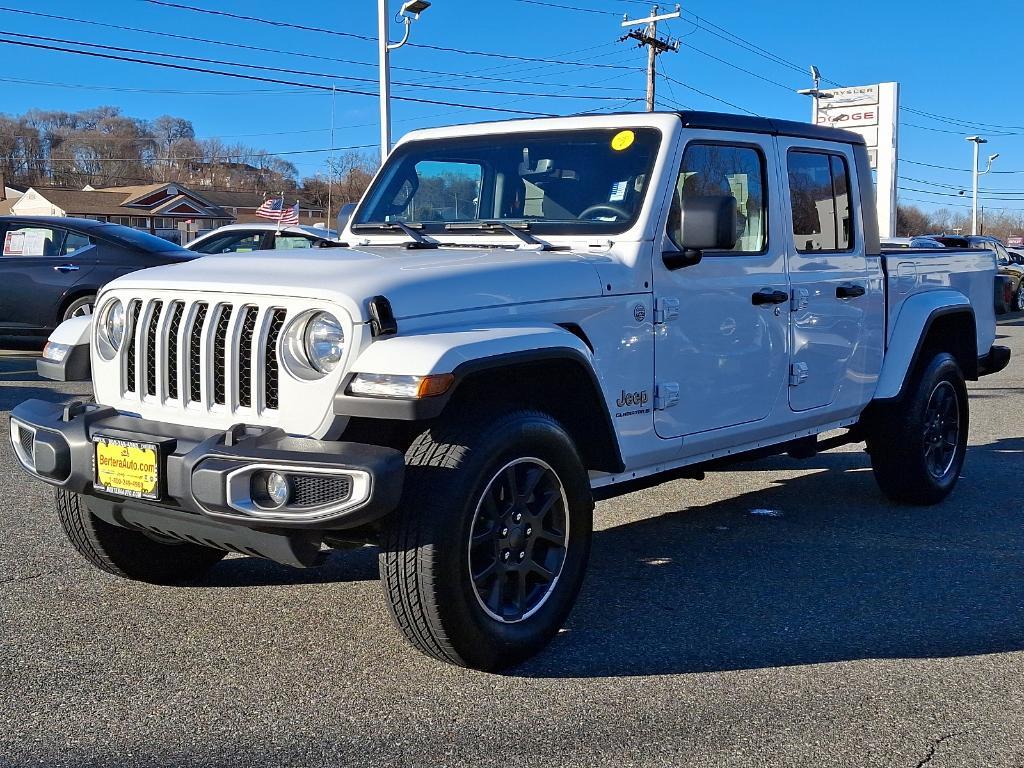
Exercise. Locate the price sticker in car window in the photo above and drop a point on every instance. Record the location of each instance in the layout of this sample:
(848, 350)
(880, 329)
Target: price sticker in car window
(623, 140)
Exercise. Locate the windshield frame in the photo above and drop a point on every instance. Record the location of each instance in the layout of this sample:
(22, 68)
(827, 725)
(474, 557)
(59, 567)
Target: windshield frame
(537, 226)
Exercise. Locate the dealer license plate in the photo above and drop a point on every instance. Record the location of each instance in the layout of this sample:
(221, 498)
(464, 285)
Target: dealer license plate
(127, 468)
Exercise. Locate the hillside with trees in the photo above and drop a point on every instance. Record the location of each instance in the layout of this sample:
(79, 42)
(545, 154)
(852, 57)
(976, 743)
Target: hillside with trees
(102, 147)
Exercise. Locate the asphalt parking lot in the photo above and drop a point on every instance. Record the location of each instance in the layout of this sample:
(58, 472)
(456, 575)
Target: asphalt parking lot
(781, 613)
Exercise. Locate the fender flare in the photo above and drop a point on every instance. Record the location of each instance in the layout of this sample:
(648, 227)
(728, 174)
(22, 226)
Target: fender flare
(458, 351)
(910, 329)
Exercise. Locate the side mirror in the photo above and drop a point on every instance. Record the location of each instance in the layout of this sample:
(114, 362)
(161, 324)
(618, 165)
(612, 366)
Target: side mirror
(706, 222)
(344, 214)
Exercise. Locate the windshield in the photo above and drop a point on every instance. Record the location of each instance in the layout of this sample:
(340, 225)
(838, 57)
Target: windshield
(557, 182)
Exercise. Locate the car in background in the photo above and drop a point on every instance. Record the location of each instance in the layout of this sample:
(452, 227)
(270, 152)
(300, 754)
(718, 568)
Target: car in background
(911, 242)
(52, 267)
(1005, 265)
(260, 236)
(1016, 257)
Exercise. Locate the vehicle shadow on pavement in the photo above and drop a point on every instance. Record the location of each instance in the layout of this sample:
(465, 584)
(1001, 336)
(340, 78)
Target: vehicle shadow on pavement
(339, 566)
(816, 568)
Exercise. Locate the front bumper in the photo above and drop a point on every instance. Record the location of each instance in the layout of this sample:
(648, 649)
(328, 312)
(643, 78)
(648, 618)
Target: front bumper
(205, 473)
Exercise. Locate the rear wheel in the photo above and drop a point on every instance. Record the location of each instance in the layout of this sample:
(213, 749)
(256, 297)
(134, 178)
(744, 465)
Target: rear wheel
(1018, 298)
(484, 558)
(918, 445)
(131, 554)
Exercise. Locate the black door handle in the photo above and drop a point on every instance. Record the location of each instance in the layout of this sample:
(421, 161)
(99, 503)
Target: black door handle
(849, 291)
(768, 296)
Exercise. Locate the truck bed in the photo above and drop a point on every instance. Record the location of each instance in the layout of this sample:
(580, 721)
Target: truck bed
(967, 271)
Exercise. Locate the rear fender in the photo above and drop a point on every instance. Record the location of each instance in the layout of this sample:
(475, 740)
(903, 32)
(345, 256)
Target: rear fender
(911, 327)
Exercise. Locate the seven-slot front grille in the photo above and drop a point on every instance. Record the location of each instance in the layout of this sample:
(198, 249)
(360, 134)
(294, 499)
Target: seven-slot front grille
(203, 354)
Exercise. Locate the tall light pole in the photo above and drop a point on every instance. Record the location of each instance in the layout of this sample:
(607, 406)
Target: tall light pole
(975, 173)
(410, 11)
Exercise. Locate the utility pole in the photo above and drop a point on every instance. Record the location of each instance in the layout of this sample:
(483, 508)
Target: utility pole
(655, 45)
(975, 173)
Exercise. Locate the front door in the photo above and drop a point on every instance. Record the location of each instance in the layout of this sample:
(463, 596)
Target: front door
(722, 325)
(38, 266)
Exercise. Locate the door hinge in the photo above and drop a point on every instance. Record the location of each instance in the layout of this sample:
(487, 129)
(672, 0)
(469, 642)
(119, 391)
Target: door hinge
(666, 395)
(799, 299)
(665, 309)
(798, 373)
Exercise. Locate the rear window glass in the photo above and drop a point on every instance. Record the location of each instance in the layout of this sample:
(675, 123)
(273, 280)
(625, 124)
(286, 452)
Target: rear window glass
(134, 238)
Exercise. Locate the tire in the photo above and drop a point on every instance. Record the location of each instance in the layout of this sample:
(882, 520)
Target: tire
(131, 554)
(83, 305)
(458, 475)
(918, 445)
(1018, 297)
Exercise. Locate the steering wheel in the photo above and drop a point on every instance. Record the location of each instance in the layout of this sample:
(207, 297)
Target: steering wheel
(619, 212)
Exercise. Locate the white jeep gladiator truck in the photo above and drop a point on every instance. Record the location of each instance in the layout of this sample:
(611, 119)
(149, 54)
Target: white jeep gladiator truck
(524, 317)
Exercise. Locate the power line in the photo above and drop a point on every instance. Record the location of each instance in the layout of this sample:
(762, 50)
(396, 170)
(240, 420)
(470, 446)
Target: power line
(570, 7)
(276, 51)
(304, 73)
(961, 186)
(203, 158)
(238, 75)
(708, 95)
(949, 167)
(425, 46)
(162, 91)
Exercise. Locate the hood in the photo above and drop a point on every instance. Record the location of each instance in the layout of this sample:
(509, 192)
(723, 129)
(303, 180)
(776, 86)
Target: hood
(416, 282)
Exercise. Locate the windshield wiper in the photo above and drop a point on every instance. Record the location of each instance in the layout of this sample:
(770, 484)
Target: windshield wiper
(418, 240)
(519, 232)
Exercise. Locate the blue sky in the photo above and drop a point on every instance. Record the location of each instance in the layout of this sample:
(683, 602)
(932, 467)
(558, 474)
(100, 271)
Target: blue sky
(964, 67)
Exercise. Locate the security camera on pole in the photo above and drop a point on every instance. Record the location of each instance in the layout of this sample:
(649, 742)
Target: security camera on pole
(975, 173)
(409, 12)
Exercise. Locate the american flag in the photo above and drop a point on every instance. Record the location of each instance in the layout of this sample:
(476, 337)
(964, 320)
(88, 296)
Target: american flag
(271, 208)
(290, 215)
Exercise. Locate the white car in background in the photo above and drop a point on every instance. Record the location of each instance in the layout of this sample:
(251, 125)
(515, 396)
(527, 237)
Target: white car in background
(260, 236)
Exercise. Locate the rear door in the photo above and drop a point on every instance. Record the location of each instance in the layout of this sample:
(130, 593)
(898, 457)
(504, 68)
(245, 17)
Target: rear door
(837, 301)
(39, 266)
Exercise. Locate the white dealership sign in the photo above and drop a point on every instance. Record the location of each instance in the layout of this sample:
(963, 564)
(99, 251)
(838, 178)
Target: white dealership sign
(871, 111)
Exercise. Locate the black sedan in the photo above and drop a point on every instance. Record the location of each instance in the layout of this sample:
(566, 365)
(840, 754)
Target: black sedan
(51, 268)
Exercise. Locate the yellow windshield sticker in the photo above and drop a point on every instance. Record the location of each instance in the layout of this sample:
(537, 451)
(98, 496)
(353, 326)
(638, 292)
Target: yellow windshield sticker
(623, 140)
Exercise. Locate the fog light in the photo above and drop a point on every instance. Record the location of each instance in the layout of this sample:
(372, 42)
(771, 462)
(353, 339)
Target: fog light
(270, 490)
(277, 489)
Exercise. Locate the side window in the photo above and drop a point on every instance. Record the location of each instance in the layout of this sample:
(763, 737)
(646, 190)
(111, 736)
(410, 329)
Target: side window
(282, 242)
(33, 241)
(75, 241)
(819, 191)
(232, 242)
(721, 169)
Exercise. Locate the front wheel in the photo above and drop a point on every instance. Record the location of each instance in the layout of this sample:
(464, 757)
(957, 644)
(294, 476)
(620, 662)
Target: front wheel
(131, 554)
(918, 445)
(1018, 298)
(486, 553)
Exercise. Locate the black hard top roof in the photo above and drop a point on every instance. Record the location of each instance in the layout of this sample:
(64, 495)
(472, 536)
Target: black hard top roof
(723, 121)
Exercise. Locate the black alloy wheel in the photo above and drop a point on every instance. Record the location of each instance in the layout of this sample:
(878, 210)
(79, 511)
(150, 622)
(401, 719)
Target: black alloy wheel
(518, 540)
(941, 429)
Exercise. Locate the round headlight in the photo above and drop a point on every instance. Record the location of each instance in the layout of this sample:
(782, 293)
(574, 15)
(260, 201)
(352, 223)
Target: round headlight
(324, 342)
(111, 325)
